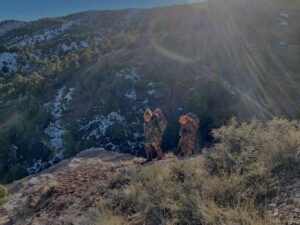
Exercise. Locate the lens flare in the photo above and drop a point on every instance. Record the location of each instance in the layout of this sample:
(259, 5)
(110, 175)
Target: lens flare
(231, 46)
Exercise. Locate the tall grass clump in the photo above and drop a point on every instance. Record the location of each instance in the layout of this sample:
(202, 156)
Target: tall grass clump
(182, 193)
(271, 148)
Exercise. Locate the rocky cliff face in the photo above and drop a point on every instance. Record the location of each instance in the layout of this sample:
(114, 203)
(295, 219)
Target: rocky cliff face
(67, 193)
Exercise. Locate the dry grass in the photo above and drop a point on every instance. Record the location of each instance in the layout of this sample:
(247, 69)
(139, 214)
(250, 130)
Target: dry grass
(106, 218)
(230, 186)
(258, 148)
(181, 192)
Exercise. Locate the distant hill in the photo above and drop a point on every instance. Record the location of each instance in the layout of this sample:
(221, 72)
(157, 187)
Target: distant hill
(84, 80)
(9, 25)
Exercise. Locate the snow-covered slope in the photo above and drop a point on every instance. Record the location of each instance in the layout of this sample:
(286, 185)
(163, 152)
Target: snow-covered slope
(55, 130)
(43, 35)
(8, 60)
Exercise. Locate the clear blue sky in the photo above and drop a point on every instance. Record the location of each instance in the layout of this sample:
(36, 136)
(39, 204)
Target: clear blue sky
(35, 9)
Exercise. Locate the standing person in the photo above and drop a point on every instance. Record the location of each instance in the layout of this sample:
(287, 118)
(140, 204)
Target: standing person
(154, 128)
(188, 143)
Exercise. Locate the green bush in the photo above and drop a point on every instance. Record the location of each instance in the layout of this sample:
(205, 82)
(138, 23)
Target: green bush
(5, 69)
(3, 48)
(3, 194)
(16, 172)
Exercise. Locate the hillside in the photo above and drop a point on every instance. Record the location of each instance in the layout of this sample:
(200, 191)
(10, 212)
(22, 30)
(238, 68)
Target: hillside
(250, 176)
(63, 192)
(108, 188)
(83, 80)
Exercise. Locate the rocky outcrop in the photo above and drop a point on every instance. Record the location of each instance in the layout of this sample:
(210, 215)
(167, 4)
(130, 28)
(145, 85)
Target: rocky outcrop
(285, 208)
(65, 193)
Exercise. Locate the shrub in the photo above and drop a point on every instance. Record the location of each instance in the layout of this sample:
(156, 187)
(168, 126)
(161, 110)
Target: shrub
(16, 172)
(3, 194)
(3, 48)
(5, 69)
(271, 148)
(230, 184)
(182, 192)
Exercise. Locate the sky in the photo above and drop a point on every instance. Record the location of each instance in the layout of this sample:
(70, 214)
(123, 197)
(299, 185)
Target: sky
(28, 10)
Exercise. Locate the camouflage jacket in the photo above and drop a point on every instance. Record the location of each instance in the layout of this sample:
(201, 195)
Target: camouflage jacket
(190, 127)
(187, 128)
(155, 127)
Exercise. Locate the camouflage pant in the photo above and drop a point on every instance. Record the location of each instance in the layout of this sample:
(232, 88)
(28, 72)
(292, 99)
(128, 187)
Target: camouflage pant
(153, 142)
(188, 144)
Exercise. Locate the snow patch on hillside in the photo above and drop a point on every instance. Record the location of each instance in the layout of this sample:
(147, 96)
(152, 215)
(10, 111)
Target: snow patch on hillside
(98, 39)
(74, 46)
(283, 19)
(84, 44)
(151, 88)
(129, 75)
(230, 88)
(97, 127)
(56, 130)
(71, 46)
(37, 166)
(45, 35)
(67, 26)
(131, 94)
(8, 60)
(284, 14)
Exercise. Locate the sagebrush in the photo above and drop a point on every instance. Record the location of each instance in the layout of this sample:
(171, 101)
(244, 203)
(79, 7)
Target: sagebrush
(230, 183)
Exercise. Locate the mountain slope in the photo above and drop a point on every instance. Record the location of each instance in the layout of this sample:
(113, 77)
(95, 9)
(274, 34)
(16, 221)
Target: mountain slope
(9, 25)
(83, 80)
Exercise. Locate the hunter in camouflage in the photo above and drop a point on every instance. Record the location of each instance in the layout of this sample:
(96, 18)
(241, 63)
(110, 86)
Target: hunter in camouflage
(154, 128)
(188, 143)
